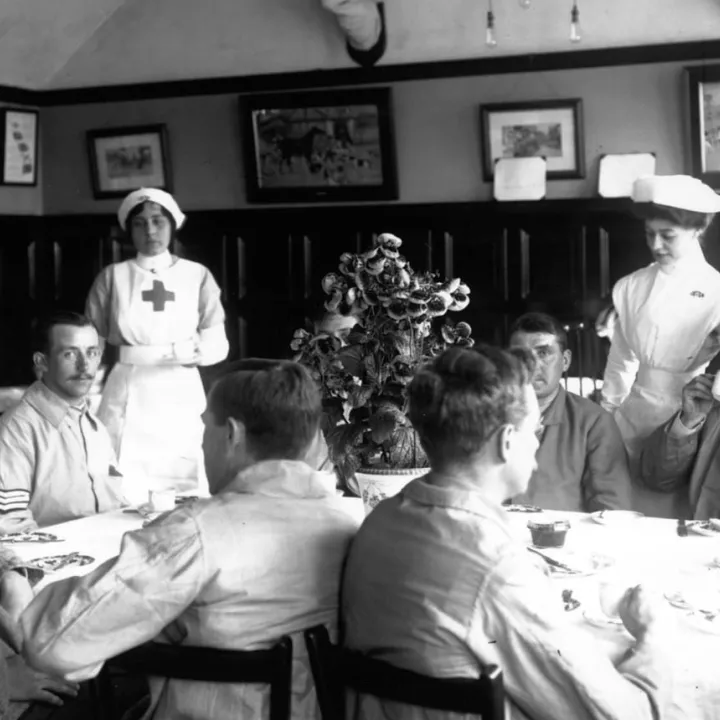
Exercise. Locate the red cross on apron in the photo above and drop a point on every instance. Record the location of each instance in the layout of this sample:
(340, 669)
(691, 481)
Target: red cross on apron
(158, 296)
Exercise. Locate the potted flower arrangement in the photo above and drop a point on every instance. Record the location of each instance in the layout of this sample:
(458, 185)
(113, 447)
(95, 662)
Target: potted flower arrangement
(364, 375)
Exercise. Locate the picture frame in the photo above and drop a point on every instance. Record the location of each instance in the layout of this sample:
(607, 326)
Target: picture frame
(317, 146)
(552, 129)
(20, 146)
(704, 90)
(124, 159)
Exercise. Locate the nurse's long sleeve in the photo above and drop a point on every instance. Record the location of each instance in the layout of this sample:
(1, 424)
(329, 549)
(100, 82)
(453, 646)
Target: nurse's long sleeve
(620, 371)
(212, 339)
(98, 299)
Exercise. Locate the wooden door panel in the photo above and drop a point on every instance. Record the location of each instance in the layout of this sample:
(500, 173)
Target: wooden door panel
(547, 267)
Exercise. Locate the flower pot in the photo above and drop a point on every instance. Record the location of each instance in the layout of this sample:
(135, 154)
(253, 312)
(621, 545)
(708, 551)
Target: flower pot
(377, 484)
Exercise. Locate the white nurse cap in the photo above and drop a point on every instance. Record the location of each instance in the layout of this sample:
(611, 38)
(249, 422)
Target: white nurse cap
(677, 191)
(137, 197)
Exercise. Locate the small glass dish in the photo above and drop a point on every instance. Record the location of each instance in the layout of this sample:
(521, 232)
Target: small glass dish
(548, 534)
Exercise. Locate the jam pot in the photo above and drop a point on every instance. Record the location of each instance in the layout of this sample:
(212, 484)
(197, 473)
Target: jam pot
(549, 534)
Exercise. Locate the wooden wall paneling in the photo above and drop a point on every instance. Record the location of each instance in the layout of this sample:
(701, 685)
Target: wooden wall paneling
(622, 250)
(267, 307)
(515, 257)
(76, 263)
(23, 294)
(549, 268)
(417, 244)
(322, 249)
(478, 255)
(711, 244)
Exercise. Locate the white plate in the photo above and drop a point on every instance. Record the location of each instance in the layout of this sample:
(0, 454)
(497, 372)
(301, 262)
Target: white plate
(585, 564)
(55, 563)
(33, 536)
(702, 607)
(616, 517)
(600, 619)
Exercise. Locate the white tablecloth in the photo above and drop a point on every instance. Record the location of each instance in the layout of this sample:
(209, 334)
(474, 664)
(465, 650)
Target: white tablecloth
(650, 551)
(647, 551)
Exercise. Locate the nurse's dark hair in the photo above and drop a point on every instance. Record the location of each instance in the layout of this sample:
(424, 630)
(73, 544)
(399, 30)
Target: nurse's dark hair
(136, 211)
(464, 396)
(42, 327)
(677, 216)
(277, 401)
(537, 322)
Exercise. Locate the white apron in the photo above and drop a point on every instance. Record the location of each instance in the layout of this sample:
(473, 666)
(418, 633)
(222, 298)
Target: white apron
(664, 337)
(151, 408)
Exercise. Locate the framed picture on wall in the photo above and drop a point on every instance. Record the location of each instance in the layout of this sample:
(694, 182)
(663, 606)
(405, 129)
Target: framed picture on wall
(544, 128)
(704, 86)
(20, 146)
(124, 159)
(316, 146)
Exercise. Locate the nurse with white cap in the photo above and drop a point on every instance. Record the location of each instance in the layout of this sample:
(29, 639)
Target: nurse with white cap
(165, 317)
(667, 316)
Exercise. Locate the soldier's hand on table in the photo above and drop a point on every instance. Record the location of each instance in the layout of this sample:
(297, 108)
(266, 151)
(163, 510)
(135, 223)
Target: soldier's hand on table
(644, 611)
(697, 400)
(26, 684)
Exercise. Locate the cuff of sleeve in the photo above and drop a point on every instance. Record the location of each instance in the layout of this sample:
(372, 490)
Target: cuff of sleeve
(678, 430)
(213, 345)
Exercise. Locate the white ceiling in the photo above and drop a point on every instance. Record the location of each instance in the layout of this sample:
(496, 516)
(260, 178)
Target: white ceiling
(48, 44)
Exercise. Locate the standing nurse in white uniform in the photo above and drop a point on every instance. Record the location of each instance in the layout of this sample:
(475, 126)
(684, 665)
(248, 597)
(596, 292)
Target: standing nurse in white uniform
(668, 313)
(165, 316)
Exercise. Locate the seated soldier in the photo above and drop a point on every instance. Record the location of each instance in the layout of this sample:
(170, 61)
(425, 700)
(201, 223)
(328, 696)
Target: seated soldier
(258, 560)
(684, 453)
(581, 463)
(438, 580)
(56, 459)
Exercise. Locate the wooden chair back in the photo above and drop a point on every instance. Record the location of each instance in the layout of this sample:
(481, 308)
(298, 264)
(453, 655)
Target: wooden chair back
(272, 667)
(335, 669)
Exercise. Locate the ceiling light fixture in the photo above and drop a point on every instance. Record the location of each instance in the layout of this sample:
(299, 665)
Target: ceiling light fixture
(490, 39)
(575, 30)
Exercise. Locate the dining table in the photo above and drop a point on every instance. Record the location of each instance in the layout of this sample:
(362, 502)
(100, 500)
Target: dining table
(613, 551)
(99, 537)
(607, 553)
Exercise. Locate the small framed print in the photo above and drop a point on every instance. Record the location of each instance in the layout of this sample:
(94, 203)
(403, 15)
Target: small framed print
(20, 147)
(124, 159)
(544, 128)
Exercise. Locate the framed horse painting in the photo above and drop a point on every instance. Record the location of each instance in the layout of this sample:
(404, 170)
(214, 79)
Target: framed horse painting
(319, 146)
